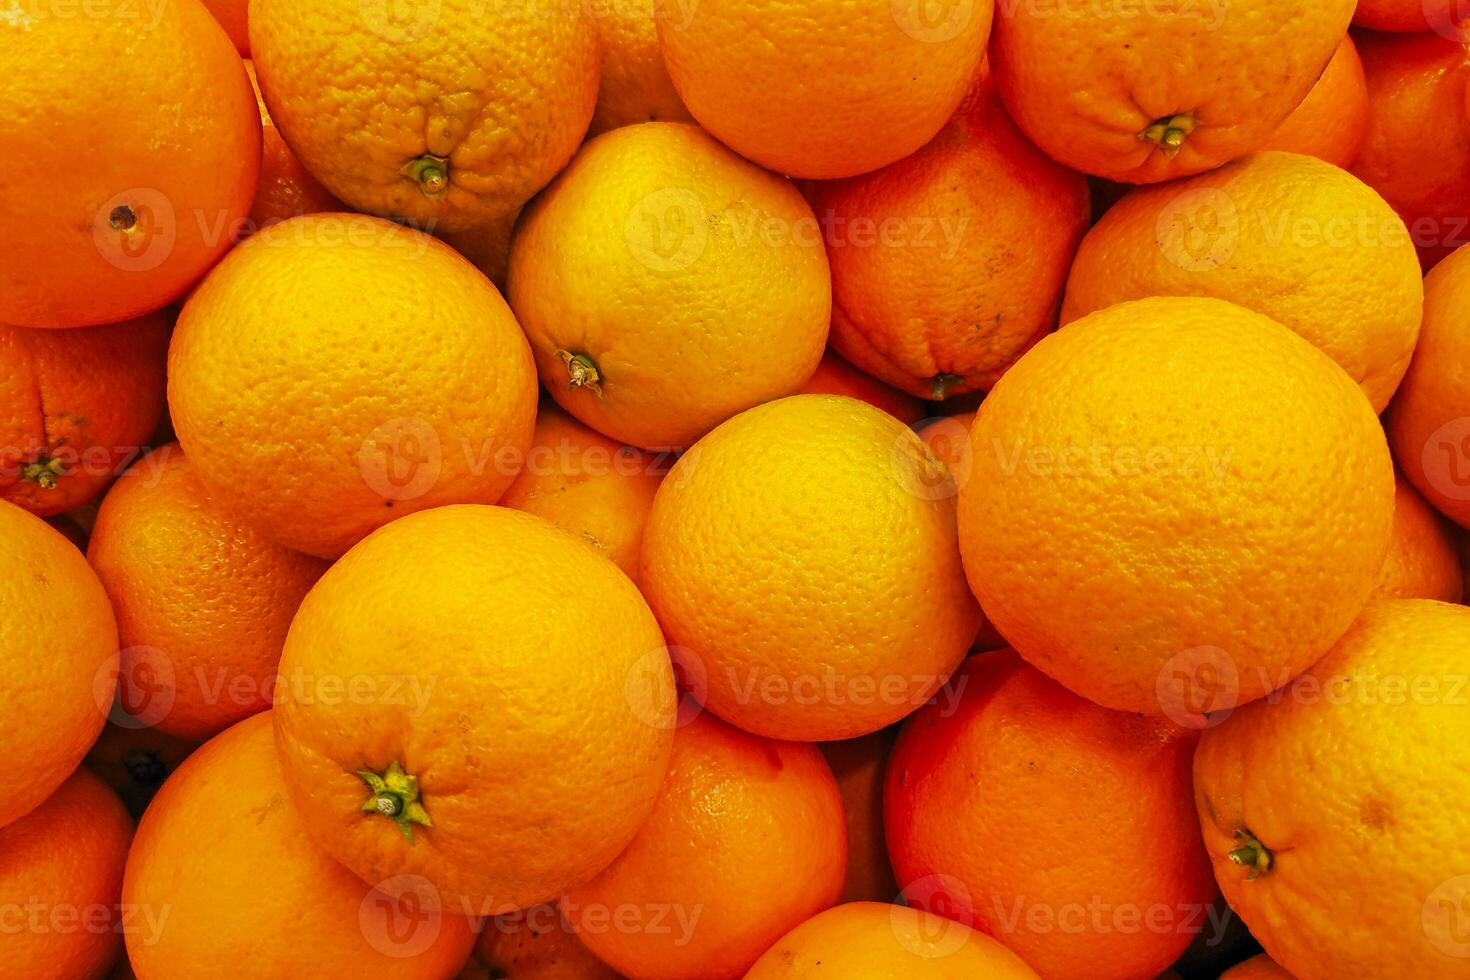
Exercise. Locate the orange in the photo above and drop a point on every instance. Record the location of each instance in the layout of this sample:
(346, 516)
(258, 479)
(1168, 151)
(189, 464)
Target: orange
(1422, 561)
(533, 944)
(338, 371)
(746, 841)
(1314, 806)
(1409, 15)
(1260, 967)
(1332, 121)
(988, 797)
(862, 940)
(446, 114)
(1175, 505)
(635, 84)
(219, 823)
(803, 554)
(949, 264)
(1302, 241)
(61, 873)
(232, 16)
(286, 189)
(76, 406)
(141, 151)
(508, 718)
(858, 763)
(1427, 422)
(60, 644)
(589, 485)
(666, 284)
(487, 245)
(832, 88)
(1147, 95)
(836, 376)
(203, 601)
(135, 760)
(1420, 165)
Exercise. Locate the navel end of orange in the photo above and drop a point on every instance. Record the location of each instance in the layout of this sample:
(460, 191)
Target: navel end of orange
(581, 371)
(1252, 855)
(1169, 133)
(395, 795)
(430, 172)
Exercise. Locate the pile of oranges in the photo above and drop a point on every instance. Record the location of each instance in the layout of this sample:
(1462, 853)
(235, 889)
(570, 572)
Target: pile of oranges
(691, 490)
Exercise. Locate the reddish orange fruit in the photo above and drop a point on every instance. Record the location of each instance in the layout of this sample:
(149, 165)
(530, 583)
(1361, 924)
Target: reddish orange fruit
(858, 765)
(537, 943)
(1332, 121)
(1409, 15)
(135, 760)
(1422, 562)
(990, 795)
(286, 188)
(837, 376)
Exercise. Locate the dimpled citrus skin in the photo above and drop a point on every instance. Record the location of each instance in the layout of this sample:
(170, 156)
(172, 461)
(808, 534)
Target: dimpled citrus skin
(806, 558)
(75, 406)
(982, 799)
(836, 376)
(337, 371)
(1422, 561)
(1302, 241)
(60, 644)
(201, 598)
(360, 91)
(543, 741)
(880, 81)
(534, 944)
(1223, 486)
(487, 246)
(1408, 15)
(1332, 121)
(1329, 779)
(1420, 165)
(286, 188)
(695, 282)
(987, 226)
(218, 824)
(589, 485)
(65, 860)
(1085, 83)
(1260, 967)
(635, 84)
(1427, 421)
(110, 106)
(746, 840)
(874, 940)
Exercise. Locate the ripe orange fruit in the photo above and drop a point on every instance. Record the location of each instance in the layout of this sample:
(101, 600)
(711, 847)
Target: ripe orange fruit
(1422, 561)
(1332, 121)
(1408, 15)
(746, 840)
(276, 381)
(589, 485)
(201, 848)
(1147, 98)
(879, 84)
(537, 943)
(232, 16)
(1420, 165)
(487, 246)
(286, 188)
(203, 601)
(836, 376)
(949, 264)
(75, 407)
(857, 764)
(804, 555)
(981, 806)
(454, 114)
(133, 181)
(1308, 798)
(875, 940)
(487, 746)
(1184, 445)
(1427, 422)
(61, 873)
(1302, 241)
(666, 284)
(1260, 967)
(60, 643)
(135, 760)
(635, 84)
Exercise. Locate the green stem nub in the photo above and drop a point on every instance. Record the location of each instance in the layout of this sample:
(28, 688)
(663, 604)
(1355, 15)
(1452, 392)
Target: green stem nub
(395, 796)
(941, 385)
(1169, 133)
(1251, 855)
(430, 172)
(581, 371)
(46, 472)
